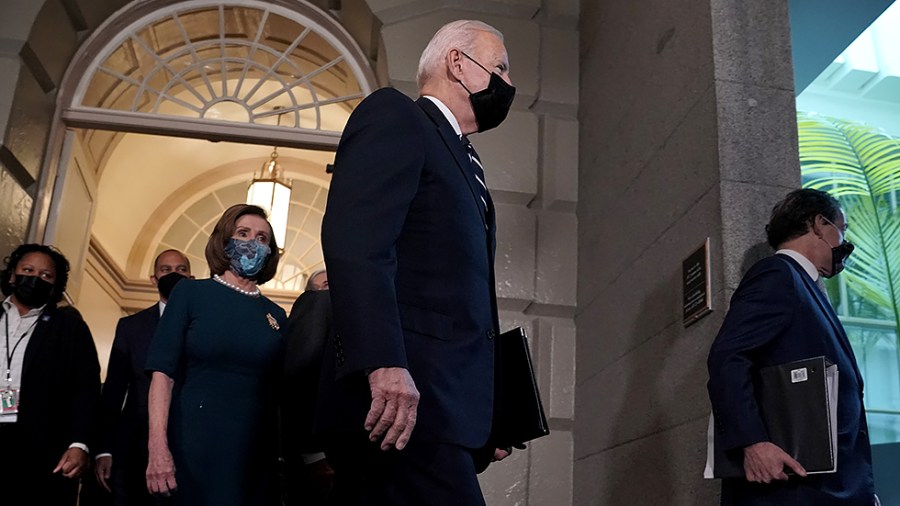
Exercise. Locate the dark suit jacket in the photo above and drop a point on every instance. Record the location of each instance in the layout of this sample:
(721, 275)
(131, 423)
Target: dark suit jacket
(123, 430)
(410, 257)
(308, 329)
(778, 315)
(60, 386)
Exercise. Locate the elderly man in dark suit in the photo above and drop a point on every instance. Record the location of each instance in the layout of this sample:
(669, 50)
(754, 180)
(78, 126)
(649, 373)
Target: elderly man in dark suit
(406, 397)
(121, 460)
(780, 314)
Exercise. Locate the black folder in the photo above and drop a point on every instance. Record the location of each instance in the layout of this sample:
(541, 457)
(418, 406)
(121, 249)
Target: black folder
(797, 402)
(518, 412)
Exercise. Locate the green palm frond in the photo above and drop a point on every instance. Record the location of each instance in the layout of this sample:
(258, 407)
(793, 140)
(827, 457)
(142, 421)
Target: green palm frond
(847, 158)
(874, 268)
(860, 165)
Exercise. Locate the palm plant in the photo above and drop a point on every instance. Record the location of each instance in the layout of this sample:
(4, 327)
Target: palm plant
(860, 165)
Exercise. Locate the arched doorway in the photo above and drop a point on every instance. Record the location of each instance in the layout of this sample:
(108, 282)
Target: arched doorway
(163, 116)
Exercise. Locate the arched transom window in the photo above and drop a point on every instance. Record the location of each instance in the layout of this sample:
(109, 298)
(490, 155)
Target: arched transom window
(201, 62)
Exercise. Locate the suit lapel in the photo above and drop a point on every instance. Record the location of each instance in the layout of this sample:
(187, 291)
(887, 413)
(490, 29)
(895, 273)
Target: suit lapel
(826, 307)
(144, 334)
(38, 336)
(456, 148)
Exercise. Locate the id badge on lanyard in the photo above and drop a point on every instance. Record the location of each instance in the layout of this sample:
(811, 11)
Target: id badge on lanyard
(9, 396)
(9, 401)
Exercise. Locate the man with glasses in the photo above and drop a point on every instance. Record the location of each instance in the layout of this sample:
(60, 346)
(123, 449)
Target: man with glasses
(779, 314)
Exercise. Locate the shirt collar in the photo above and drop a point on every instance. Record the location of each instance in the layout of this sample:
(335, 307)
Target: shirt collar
(802, 260)
(162, 307)
(447, 114)
(8, 307)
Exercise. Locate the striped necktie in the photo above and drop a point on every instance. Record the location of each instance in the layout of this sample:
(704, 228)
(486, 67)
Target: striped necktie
(478, 172)
(820, 284)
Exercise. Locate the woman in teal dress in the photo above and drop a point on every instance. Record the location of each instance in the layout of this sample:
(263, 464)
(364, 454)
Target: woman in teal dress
(215, 362)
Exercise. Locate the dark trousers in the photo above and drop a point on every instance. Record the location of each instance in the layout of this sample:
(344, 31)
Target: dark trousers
(128, 479)
(422, 474)
(26, 473)
(92, 493)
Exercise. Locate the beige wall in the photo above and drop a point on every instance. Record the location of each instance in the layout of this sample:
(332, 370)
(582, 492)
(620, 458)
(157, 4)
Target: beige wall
(687, 132)
(102, 314)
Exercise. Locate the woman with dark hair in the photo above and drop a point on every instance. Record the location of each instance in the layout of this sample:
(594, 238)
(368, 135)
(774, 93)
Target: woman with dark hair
(50, 381)
(215, 362)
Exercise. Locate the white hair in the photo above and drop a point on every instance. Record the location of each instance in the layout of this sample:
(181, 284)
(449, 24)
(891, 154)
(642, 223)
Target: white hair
(456, 34)
(309, 281)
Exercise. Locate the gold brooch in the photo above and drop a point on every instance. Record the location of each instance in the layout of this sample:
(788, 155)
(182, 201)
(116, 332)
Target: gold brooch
(272, 321)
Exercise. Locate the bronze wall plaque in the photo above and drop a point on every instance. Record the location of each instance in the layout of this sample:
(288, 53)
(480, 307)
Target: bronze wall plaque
(696, 283)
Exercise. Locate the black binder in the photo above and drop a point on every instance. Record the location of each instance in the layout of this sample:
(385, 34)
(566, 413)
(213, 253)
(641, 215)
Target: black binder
(518, 412)
(797, 402)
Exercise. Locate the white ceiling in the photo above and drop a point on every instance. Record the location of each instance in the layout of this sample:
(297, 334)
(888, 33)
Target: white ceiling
(149, 181)
(863, 83)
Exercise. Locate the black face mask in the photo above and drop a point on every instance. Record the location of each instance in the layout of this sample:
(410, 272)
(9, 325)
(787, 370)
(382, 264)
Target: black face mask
(839, 254)
(491, 105)
(32, 291)
(167, 283)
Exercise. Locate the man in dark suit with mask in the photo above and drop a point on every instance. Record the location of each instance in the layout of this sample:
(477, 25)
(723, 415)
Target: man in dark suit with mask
(121, 460)
(780, 314)
(406, 396)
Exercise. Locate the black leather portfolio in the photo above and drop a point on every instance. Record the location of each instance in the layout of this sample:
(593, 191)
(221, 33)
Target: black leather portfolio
(519, 415)
(798, 405)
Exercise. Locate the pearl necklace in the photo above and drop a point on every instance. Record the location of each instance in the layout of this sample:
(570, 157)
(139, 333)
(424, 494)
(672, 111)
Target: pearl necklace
(254, 293)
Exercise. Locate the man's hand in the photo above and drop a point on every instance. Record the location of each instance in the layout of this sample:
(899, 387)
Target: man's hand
(764, 462)
(72, 463)
(103, 470)
(322, 477)
(501, 453)
(394, 403)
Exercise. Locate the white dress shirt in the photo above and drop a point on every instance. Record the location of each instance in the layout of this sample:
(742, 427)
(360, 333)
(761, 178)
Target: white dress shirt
(803, 261)
(16, 330)
(447, 114)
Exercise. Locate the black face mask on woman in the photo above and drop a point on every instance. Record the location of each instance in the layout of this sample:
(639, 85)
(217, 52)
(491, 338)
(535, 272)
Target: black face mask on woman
(490, 105)
(32, 291)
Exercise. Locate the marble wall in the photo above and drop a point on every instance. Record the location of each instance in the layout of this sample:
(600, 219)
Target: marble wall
(37, 41)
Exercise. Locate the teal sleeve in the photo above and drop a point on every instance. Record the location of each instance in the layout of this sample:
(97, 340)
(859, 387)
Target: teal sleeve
(167, 350)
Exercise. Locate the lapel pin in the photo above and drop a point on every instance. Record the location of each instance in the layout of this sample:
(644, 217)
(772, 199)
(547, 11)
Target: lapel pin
(272, 321)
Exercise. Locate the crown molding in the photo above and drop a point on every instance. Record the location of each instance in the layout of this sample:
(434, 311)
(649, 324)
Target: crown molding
(132, 295)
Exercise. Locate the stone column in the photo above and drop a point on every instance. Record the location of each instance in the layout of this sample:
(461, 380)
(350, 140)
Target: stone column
(687, 132)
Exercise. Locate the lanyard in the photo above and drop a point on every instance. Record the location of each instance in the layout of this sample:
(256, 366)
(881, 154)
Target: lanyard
(9, 354)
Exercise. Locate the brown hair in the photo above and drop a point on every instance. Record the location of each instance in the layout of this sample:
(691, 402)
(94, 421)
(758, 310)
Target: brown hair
(215, 249)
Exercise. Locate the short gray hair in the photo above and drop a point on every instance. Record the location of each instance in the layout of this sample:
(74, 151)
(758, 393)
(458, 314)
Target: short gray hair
(312, 276)
(456, 34)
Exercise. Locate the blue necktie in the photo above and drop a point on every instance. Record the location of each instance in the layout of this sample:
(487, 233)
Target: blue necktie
(478, 172)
